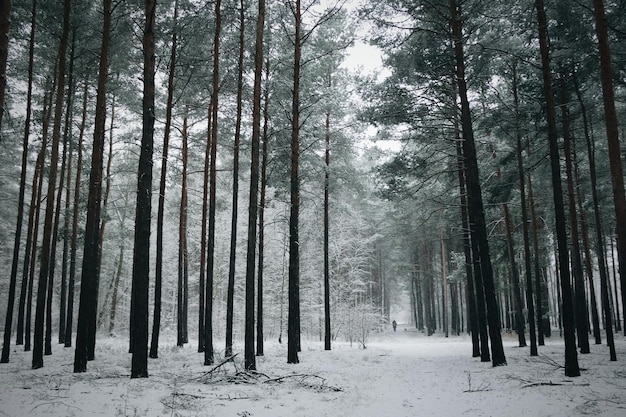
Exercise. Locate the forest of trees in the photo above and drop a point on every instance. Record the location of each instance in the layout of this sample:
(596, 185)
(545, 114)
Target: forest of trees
(209, 170)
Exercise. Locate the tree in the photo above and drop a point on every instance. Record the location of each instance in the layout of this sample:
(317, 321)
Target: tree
(156, 323)
(525, 220)
(327, 333)
(475, 206)
(141, 252)
(75, 213)
(293, 327)
(45, 264)
(612, 136)
(208, 313)
(571, 357)
(249, 358)
(87, 309)
(235, 196)
(6, 347)
(5, 24)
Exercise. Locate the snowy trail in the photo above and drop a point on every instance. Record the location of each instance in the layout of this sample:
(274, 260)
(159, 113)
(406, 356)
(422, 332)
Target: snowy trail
(399, 374)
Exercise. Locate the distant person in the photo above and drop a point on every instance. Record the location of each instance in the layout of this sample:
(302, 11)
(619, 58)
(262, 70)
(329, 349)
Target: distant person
(394, 324)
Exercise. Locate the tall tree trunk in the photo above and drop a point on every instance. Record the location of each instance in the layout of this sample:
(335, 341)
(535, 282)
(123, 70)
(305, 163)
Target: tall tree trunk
(233, 226)
(264, 154)
(525, 223)
(66, 213)
(615, 286)
(183, 261)
(37, 193)
(93, 324)
(543, 308)
(517, 296)
(208, 313)
(75, 213)
(444, 285)
(249, 358)
(44, 270)
(327, 334)
(615, 155)
(580, 302)
(600, 251)
(477, 322)
(474, 196)
(87, 309)
(571, 356)
(5, 24)
(57, 214)
(293, 327)
(156, 321)
(141, 252)
(6, 347)
(203, 232)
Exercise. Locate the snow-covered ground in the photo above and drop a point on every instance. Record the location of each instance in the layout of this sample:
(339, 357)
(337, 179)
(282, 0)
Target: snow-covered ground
(399, 374)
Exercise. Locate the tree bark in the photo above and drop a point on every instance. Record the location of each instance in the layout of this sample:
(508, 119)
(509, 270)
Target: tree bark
(525, 222)
(8, 324)
(158, 279)
(44, 269)
(87, 309)
(600, 251)
(293, 326)
(208, 312)
(233, 226)
(327, 335)
(474, 195)
(477, 319)
(580, 302)
(264, 157)
(5, 25)
(249, 358)
(75, 213)
(615, 155)
(141, 253)
(571, 357)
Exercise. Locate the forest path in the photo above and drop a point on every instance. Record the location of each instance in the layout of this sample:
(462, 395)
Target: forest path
(401, 374)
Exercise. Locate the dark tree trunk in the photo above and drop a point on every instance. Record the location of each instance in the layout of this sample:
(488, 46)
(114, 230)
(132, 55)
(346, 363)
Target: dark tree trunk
(203, 237)
(6, 347)
(571, 356)
(525, 223)
(75, 213)
(208, 312)
(158, 276)
(580, 302)
(600, 253)
(474, 195)
(250, 359)
(517, 296)
(233, 226)
(543, 318)
(5, 25)
(141, 253)
(615, 155)
(66, 213)
(87, 309)
(264, 157)
(37, 193)
(293, 327)
(477, 322)
(327, 335)
(93, 325)
(183, 261)
(46, 247)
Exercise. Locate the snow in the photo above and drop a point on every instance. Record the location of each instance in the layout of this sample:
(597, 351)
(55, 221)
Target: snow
(398, 374)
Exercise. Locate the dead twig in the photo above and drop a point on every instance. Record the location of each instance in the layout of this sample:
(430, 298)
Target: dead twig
(215, 368)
